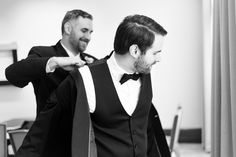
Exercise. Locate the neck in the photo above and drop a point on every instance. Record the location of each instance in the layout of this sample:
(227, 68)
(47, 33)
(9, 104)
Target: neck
(67, 44)
(125, 61)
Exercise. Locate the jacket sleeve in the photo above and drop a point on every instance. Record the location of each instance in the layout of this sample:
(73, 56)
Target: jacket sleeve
(26, 70)
(157, 145)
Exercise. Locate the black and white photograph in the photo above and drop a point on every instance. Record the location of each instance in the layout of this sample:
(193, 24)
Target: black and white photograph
(127, 78)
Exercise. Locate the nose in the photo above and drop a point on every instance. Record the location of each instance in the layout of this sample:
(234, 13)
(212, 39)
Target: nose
(87, 35)
(158, 57)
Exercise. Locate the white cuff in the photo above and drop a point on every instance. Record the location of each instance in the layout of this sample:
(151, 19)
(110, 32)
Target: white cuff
(48, 70)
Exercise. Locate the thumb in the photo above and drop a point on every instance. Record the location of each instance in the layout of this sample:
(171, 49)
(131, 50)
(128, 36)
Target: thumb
(89, 59)
(80, 63)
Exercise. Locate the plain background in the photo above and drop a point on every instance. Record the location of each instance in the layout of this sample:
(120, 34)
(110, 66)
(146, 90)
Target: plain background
(177, 80)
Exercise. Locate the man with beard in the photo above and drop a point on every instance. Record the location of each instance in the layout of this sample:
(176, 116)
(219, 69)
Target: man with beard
(105, 109)
(47, 66)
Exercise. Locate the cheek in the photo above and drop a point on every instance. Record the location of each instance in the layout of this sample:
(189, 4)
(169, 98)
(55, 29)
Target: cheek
(78, 34)
(149, 60)
(158, 58)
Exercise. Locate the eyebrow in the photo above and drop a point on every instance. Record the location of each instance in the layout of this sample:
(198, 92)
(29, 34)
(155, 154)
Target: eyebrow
(86, 29)
(157, 52)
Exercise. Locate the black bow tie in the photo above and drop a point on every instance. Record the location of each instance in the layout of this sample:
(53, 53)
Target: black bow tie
(126, 77)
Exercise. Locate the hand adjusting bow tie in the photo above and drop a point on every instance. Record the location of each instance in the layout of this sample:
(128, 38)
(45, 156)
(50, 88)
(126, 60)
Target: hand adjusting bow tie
(126, 77)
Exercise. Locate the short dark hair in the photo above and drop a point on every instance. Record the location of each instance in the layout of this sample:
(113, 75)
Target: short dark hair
(74, 14)
(136, 29)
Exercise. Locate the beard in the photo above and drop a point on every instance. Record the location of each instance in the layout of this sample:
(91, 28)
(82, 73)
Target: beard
(80, 44)
(141, 66)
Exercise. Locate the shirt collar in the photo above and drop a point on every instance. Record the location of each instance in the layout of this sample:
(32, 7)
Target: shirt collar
(70, 54)
(116, 71)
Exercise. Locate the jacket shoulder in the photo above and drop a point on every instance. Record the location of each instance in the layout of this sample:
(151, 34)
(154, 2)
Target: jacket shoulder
(97, 62)
(43, 50)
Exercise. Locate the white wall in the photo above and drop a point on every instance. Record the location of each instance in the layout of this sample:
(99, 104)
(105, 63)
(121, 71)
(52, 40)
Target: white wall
(178, 79)
(207, 62)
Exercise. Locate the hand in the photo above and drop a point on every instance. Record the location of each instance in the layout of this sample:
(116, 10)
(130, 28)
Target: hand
(88, 60)
(67, 63)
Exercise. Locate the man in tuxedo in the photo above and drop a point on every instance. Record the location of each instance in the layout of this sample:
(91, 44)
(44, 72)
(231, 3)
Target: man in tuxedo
(105, 109)
(47, 66)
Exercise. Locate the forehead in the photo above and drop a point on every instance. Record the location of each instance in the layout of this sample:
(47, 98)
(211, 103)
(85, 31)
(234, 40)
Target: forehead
(158, 42)
(83, 23)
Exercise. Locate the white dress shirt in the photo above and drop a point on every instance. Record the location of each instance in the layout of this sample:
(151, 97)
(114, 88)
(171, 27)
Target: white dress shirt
(128, 92)
(70, 54)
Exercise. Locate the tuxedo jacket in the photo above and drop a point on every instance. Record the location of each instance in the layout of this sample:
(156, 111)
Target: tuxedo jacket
(63, 128)
(33, 69)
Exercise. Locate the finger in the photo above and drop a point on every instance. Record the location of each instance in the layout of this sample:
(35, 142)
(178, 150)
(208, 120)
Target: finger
(80, 64)
(69, 68)
(77, 60)
(89, 59)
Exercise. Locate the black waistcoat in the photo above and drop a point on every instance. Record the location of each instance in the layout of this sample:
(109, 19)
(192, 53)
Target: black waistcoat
(116, 133)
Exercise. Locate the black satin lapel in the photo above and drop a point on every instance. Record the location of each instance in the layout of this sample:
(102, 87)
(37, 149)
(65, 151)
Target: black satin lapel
(60, 50)
(81, 122)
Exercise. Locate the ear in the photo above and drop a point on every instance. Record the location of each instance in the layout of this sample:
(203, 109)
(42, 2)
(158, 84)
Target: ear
(67, 28)
(134, 51)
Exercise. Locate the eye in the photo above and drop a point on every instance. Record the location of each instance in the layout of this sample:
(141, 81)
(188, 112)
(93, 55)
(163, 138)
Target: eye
(156, 52)
(84, 30)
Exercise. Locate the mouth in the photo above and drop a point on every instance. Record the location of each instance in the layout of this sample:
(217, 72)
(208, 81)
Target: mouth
(155, 62)
(84, 41)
